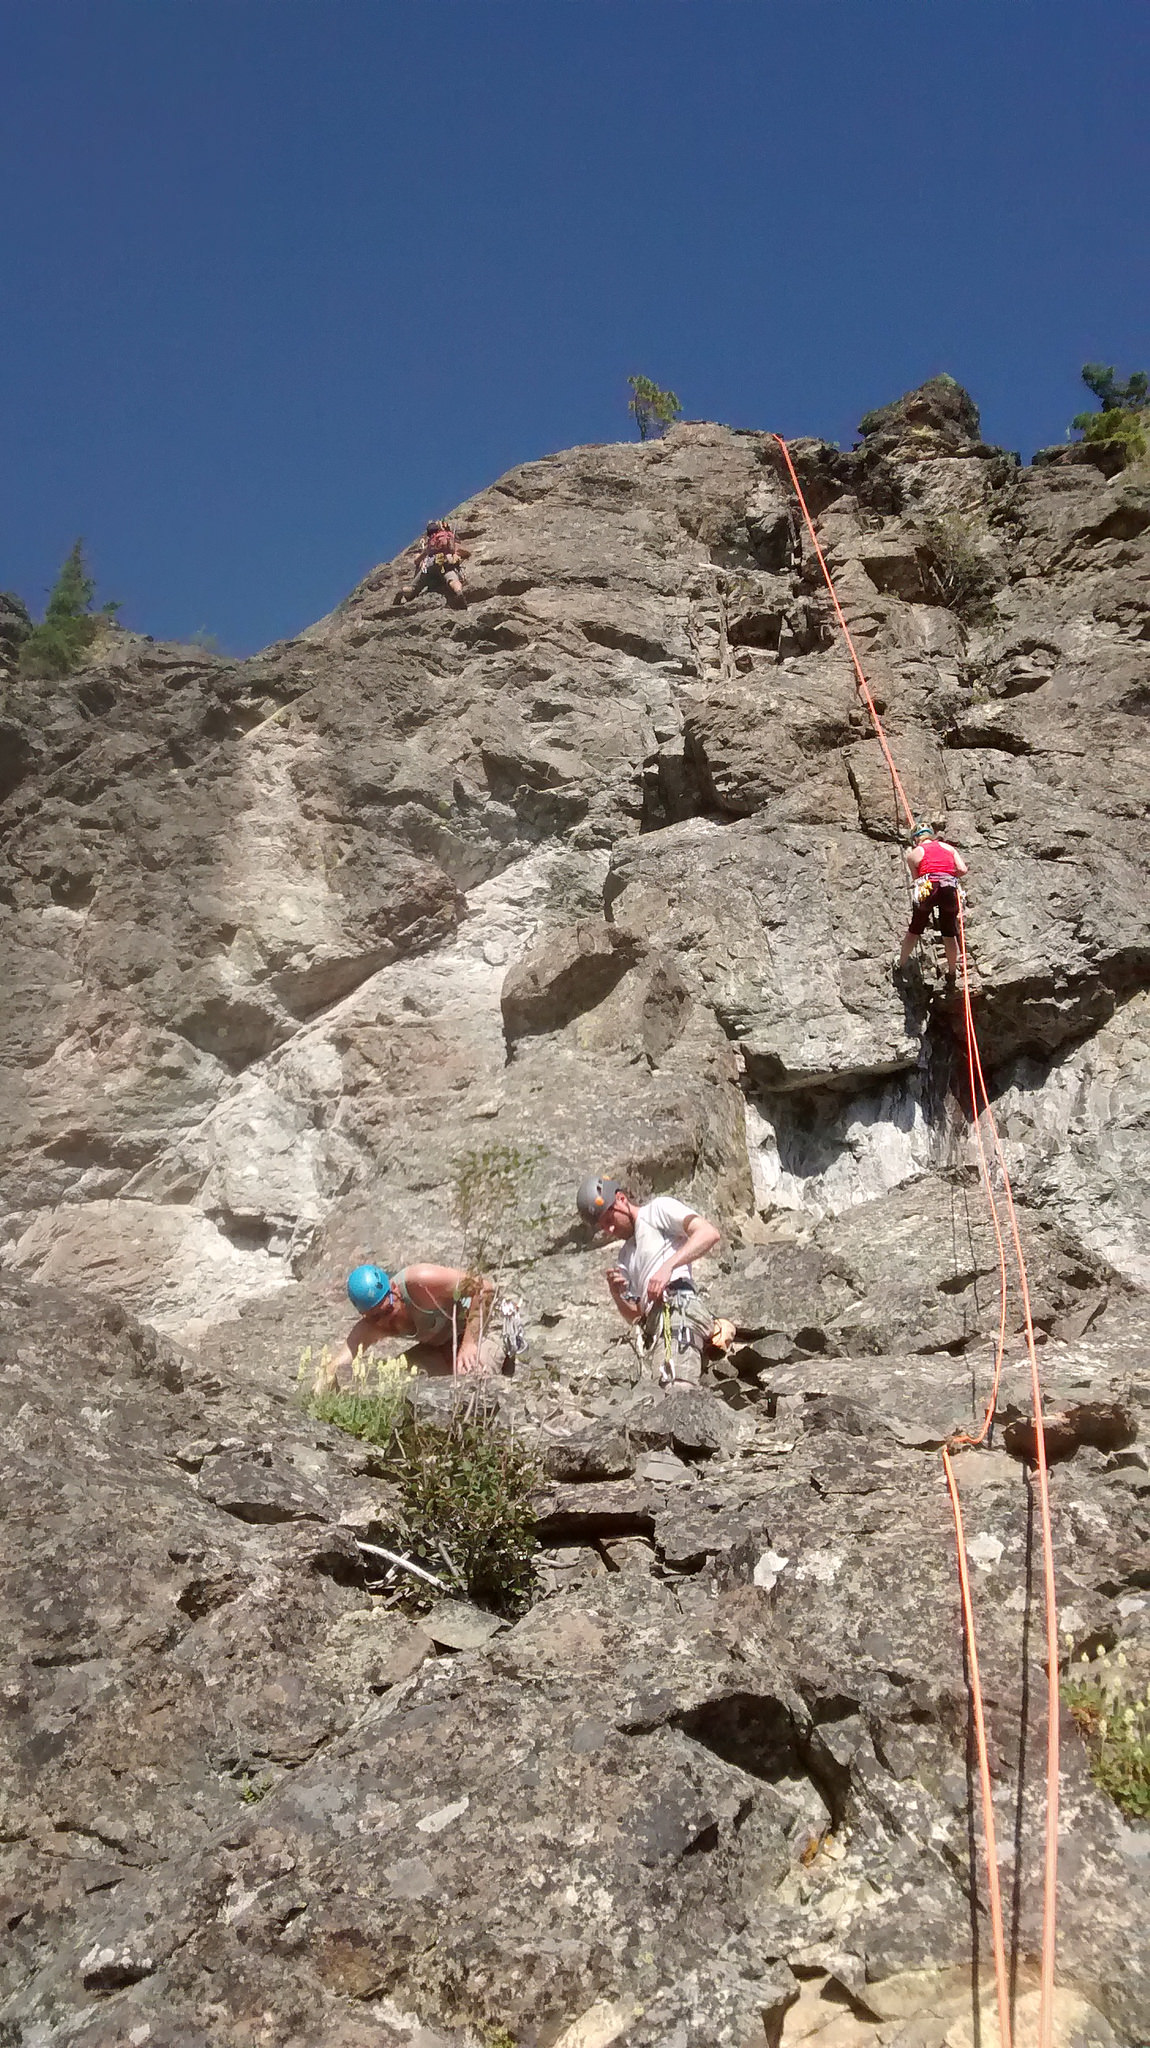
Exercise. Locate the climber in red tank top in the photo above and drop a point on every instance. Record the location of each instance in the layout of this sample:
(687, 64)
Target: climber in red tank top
(438, 566)
(936, 867)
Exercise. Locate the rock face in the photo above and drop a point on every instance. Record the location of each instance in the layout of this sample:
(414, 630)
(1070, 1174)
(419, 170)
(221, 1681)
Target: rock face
(604, 871)
(15, 626)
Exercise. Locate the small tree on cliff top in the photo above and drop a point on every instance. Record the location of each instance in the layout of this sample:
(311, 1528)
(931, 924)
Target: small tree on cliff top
(653, 408)
(1124, 419)
(1112, 395)
(59, 643)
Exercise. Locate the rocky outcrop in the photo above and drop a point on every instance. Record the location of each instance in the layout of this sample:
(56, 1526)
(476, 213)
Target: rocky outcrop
(260, 914)
(15, 626)
(604, 871)
(711, 1765)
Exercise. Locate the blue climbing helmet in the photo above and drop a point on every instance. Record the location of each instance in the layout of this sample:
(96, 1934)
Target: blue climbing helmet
(368, 1286)
(921, 832)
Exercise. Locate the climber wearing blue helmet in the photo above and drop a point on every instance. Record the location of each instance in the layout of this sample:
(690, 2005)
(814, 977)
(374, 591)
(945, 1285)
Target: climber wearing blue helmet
(440, 1307)
(367, 1287)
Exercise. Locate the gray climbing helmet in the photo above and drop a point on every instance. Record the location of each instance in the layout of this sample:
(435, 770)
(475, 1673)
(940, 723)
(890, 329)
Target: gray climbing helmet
(595, 1197)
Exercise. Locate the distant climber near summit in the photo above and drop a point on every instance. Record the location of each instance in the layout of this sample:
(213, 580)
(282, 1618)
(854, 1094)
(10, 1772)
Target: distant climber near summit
(937, 867)
(438, 565)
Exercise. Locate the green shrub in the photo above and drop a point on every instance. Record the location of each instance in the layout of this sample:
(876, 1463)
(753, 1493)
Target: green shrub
(58, 645)
(465, 1492)
(654, 409)
(466, 1503)
(1123, 422)
(1124, 432)
(372, 1408)
(1112, 1710)
(956, 568)
(492, 1204)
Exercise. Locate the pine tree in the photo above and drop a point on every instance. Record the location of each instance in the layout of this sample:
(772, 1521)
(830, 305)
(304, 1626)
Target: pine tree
(1112, 396)
(653, 408)
(59, 643)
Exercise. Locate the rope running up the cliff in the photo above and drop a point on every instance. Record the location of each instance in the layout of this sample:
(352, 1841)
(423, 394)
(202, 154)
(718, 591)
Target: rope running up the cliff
(980, 1106)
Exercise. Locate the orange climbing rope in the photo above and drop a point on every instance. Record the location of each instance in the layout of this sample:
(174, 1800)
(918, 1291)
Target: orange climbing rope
(994, 1893)
(962, 1441)
(1050, 1596)
(845, 630)
(980, 1106)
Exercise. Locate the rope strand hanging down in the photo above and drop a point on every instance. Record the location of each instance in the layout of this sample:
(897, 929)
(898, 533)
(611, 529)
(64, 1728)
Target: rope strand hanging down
(980, 1105)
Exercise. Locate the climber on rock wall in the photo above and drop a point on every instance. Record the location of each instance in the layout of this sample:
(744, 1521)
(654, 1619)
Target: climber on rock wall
(438, 566)
(937, 868)
(652, 1286)
(442, 1307)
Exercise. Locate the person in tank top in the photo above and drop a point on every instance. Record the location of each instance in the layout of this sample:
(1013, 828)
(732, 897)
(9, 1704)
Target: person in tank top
(441, 1308)
(937, 868)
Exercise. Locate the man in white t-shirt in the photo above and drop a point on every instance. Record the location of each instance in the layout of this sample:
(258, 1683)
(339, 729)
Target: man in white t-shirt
(652, 1284)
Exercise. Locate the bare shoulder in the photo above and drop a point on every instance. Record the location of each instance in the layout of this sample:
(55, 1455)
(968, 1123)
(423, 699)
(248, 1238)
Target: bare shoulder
(437, 1279)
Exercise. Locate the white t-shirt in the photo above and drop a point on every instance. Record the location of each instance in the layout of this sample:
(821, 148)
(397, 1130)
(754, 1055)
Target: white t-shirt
(659, 1226)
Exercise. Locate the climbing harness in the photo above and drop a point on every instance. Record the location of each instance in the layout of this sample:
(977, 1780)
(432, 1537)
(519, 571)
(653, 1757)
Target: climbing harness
(440, 550)
(671, 1329)
(980, 1109)
(937, 897)
(682, 1324)
(438, 562)
(933, 885)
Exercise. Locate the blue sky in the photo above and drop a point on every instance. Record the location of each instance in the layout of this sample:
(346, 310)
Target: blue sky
(281, 278)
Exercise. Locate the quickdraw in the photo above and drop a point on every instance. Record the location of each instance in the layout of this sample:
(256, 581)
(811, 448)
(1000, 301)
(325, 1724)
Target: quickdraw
(677, 1336)
(514, 1332)
(681, 1330)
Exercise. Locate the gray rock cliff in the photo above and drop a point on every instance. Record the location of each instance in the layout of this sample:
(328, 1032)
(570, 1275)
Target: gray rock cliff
(606, 865)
